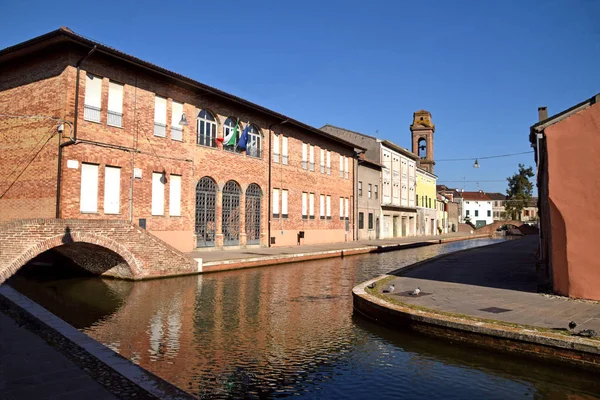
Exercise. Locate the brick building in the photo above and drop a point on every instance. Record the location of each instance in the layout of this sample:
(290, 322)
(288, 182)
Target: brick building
(87, 131)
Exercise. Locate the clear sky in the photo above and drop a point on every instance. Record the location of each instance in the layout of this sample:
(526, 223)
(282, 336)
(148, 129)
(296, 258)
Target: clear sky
(480, 67)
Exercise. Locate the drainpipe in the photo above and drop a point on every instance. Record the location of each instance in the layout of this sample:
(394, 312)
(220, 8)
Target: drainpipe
(269, 214)
(72, 140)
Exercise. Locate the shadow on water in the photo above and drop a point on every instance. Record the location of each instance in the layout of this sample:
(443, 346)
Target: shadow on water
(289, 331)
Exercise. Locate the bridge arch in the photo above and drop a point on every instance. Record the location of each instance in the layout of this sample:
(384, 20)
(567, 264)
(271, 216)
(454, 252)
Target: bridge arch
(94, 253)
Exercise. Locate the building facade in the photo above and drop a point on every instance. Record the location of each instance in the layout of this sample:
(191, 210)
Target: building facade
(477, 208)
(498, 206)
(119, 138)
(566, 153)
(426, 199)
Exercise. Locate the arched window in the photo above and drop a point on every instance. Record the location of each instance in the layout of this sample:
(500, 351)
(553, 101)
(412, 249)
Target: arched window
(231, 213)
(254, 145)
(206, 132)
(253, 197)
(422, 148)
(231, 133)
(206, 216)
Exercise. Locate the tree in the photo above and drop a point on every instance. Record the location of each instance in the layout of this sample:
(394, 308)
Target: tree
(519, 192)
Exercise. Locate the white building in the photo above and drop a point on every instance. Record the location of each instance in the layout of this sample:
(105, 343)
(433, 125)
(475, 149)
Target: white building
(477, 208)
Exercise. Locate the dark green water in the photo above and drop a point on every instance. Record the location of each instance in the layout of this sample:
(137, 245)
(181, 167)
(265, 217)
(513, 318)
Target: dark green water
(289, 331)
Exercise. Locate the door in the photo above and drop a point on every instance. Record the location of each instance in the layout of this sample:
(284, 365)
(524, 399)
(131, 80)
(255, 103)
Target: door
(395, 226)
(231, 214)
(206, 216)
(253, 197)
(403, 226)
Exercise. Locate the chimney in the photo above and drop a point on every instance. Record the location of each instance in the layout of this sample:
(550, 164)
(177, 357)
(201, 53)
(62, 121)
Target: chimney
(543, 113)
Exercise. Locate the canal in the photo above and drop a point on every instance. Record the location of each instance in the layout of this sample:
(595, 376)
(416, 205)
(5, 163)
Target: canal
(289, 330)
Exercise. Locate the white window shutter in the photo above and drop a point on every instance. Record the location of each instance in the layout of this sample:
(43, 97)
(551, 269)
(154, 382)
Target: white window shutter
(304, 203)
(322, 205)
(275, 201)
(312, 204)
(89, 188)
(158, 194)
(284, 202)
(329, 206)
(341, 207)
(176, 113)
(93, 90)
(175, 195)
(115, 97)
(160, 110)
(112, 190)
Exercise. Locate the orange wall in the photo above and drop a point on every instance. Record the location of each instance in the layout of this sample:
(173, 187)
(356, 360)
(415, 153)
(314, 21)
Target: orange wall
(574, 190)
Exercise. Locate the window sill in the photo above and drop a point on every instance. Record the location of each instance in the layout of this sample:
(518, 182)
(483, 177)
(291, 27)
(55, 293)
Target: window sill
(91, 120)
(177, 140)
(115, 126)
(107, 213)
(158, 215)
(89, 212)
(175, 216)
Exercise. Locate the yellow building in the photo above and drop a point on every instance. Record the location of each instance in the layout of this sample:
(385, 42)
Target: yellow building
(442, 214)
(426, 203)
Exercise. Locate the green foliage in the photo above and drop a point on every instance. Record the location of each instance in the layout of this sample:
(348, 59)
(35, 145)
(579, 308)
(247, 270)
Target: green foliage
(520, 190)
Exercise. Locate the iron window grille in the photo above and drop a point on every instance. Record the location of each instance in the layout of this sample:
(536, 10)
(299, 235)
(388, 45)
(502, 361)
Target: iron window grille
(115, 119)
(160, 130)
(91, 113)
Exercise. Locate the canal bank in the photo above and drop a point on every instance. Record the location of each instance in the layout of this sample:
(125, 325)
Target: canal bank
(485, 297)
(230, 259)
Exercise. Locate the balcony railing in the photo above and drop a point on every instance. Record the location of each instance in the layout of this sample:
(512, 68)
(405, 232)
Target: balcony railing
(328, 170)
(341, 173)
(177, 133)
(91, 113)
(205, 140)
(347, 175)
(275, 157)
(304, 165)
(160, 130)
(322, 168)
(312, 166)
(284, 159)
(115, 119)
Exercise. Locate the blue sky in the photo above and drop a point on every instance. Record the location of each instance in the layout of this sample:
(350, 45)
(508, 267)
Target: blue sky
(481, 67)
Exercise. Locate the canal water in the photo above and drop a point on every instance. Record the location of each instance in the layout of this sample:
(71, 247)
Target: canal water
(289, 330)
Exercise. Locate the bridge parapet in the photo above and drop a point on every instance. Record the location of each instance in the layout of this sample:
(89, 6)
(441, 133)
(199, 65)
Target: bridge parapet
(111, 248)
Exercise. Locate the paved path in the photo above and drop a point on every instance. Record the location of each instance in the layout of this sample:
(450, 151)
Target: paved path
(500, 278)
(31, 369)
(237, 254)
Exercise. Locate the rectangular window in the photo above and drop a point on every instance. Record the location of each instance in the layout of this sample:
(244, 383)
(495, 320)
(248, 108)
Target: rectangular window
(341, 166)
(304, 205)
(328, 206)
(158, 193)
(275, 203)
(93, 98)
(284, 203)
(115, 105)
(322, 161)
(376, 191)
(370, 221)
(275, 148)
(176, 115)
(311, 204)
(359, 189)
(328, 162)
(370, 190)
(284, 150)
(477, 213)
(322, 206)
(346, 202)
(489, 213)
(312, 157)
(346, 170)
(304, 156)
(160, 116)
(361, 220)
(467, 213)
(341, 208)
(112, 190)
(88, 202)
(175, 195)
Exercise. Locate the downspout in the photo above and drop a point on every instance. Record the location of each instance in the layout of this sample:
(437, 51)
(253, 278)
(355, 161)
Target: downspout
(72, 140)
(270, 189)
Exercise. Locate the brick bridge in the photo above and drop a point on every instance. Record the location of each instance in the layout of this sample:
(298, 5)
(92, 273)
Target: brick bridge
(103, 247)
(491, 228)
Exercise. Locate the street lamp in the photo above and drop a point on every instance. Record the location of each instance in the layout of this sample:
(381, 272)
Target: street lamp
(476, 165)
(183, 121)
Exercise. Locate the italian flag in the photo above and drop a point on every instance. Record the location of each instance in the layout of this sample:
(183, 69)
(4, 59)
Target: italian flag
(230, 139)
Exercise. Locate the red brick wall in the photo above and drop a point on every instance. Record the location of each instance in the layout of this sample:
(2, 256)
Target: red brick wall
(29, 147)
(135, 145)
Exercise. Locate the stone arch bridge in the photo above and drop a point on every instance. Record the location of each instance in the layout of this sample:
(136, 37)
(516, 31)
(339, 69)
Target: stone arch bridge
(491, 228)
(109, 248)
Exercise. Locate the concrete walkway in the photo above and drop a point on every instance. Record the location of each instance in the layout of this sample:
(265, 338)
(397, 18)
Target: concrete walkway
(31, 369)
(218, 260)
(495, 282)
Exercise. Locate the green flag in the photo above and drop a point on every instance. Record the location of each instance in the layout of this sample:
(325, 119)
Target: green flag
(230, 139)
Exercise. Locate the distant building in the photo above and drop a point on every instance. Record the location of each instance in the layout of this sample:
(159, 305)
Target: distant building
(453, 205)
(498, 206)
(530, 211)
(477, 208)
(442, 214)
(566, 153)
(426, 203)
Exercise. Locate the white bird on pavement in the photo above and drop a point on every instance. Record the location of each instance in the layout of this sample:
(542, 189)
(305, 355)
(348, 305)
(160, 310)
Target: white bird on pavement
(416, 292)
(390, 289)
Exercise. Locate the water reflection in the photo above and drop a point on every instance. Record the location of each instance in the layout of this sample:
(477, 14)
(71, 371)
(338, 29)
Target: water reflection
(289, 330)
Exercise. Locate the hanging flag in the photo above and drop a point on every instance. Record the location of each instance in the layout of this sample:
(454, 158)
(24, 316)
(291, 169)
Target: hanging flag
(244, 138)
(231, 137)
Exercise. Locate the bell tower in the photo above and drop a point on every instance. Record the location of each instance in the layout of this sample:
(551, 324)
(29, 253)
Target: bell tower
(422, 130)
